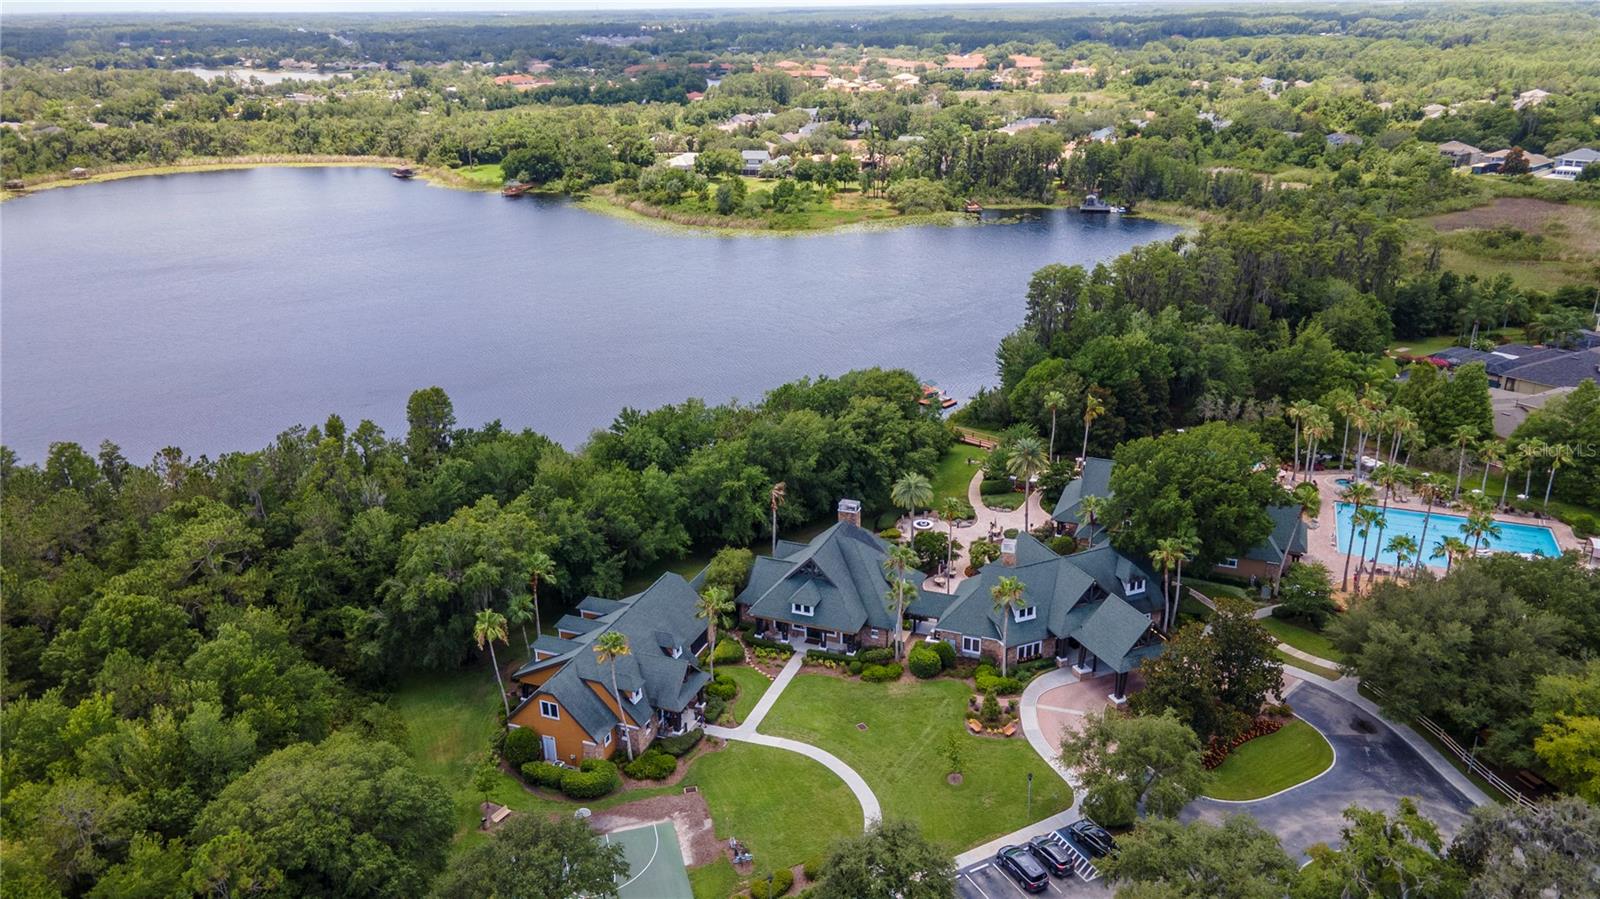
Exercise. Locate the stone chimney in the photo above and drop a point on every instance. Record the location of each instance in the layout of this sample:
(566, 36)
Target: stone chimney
(850, 510)
(1008, 552)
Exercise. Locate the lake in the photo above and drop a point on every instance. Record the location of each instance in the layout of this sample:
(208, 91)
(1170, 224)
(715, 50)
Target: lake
(211, 311)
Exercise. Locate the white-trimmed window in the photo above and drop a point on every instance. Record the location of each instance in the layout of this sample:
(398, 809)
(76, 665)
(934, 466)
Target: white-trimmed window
(1025, 613)
(636, 696)
(971, 645)
(1135, 584)
(801, 609)
(1030, 650)
(874, 633)
(1228, 563)
(549, 710)
(607, 740)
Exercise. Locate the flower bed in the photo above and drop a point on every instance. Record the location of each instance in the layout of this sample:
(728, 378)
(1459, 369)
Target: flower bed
(1217, 752)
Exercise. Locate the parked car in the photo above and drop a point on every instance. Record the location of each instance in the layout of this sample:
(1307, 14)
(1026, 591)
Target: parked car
(1018, 862)
(1092, 837)
(1052, 855)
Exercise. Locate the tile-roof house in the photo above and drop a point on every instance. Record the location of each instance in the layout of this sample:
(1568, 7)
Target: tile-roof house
(566, 691)
(831, 592)
(1263, 561)
(1095, 609)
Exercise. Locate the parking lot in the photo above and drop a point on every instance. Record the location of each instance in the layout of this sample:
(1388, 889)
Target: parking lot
(985, 880)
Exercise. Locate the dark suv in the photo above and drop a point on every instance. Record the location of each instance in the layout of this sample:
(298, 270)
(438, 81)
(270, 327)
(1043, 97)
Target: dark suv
(1092, 837)
(1052, 855)
(1018, 862)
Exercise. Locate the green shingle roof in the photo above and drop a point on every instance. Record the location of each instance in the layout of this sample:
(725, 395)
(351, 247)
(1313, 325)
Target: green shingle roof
(1095, 481)
(1286, 532)
(839, 575)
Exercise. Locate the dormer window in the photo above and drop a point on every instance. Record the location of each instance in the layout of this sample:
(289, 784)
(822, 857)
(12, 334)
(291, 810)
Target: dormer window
(676, 651)
(802, 609)
(1135, 584)
(1025, 613)
(636, 696)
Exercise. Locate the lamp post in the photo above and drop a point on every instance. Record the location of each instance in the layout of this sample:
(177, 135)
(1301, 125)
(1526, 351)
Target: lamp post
(1030, 800)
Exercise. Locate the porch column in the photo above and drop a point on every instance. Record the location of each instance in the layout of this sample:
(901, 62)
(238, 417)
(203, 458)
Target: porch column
(1119, 694)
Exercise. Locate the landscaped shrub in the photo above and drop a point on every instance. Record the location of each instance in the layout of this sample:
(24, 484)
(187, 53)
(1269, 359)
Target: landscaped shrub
(1030, 669)
(924, 662)
(947, 653)
(1064, 545)
(1011, 533)
(813, 867)
(989, 712)
(653, 765)
(876, 656)
(854, 667)
(593, 779)
(877, 674)
(679, 746)
(1584, 525)
(992, 486)
(989, 682)
(771, 646)
(722, 688)
(728, 652)
(892, 535)
(714, 708)
(782, 882)
(543, 774)
(521, 747)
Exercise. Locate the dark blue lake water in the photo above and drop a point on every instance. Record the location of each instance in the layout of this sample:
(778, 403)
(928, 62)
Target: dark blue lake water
(211, 311)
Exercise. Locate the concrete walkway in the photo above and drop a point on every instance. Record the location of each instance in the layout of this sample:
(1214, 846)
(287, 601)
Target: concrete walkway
(1042, 743)
(746, 733)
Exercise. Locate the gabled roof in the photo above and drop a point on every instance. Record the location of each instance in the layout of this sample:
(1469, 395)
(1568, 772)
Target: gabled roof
(659, 623)
(1112, 631)
(1287, 535)
(839, 575)
(1066, 593)
(1566, 368)
(1095, 480)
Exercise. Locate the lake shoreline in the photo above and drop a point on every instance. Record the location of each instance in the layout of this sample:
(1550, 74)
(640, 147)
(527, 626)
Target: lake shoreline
(601, 202)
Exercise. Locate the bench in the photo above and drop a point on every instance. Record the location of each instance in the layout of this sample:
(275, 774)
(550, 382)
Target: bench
(974, 726)
(1009, 729)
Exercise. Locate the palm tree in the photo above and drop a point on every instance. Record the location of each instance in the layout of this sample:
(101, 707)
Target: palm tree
(1027, 460)
(608, 648)
(1362, 419)
(1464, 436)
(1357, 495)
(1430, 489)
(775, 498)
(1404, 547)
(540, 568)
(895, 563)
(521, 611)
(1007, 594)
(488, 627)
(950, 508)
(1403, 423)
(710, 605)
(1093, 408)
(1530, 452)
(1298, 412)
(1490, 452)
(1480, 524)
(1318, 428)
(1166, 555)
(1560, 454)
(1309, 499)
(1512, 462)
(1451, 548)
(1345, 403)
(1190, 546)
(911, 492)
(1053, 401)
(1366, 518)
(1092, 508)
(1388, 477)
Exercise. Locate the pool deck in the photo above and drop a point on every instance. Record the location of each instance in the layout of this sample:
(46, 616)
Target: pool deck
(1322, 544)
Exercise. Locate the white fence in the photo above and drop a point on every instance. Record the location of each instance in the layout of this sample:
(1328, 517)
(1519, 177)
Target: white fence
(1473, 765)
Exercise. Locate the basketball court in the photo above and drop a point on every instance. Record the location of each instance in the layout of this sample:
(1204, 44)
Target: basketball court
(655, 864)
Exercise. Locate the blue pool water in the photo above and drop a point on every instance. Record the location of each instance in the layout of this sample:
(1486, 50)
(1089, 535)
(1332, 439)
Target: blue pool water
(1514, 538)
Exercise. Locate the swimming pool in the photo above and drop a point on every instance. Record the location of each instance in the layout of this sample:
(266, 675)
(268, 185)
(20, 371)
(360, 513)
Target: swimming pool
(1514, 538)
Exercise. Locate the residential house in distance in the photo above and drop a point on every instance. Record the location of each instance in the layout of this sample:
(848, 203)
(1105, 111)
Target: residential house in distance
(831, 592)
(683, 161)
(1026, 124)
(1570, 165)
(751, 161)
(1434, 110)
(1459, 154)
(566, 692)
(1520, 368)
(1284, 546)
(1530, 98)
(1342, 139)
(1491, 163)
(1106, 135)
(955, 62)
(1093, 609)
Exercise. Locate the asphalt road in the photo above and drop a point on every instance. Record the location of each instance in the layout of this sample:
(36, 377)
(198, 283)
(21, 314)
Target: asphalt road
(1373, 767)
(985, 880)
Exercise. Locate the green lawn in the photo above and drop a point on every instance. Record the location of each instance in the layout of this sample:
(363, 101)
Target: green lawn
(688, 566)
(1216, 590)
(956, 470)
(901, 755)
(488, 175)
(1294, 754)
(1302, 638)
(1006, 501)
(1425, 346)
(752, 684)
(717, 880)
(784, 806)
